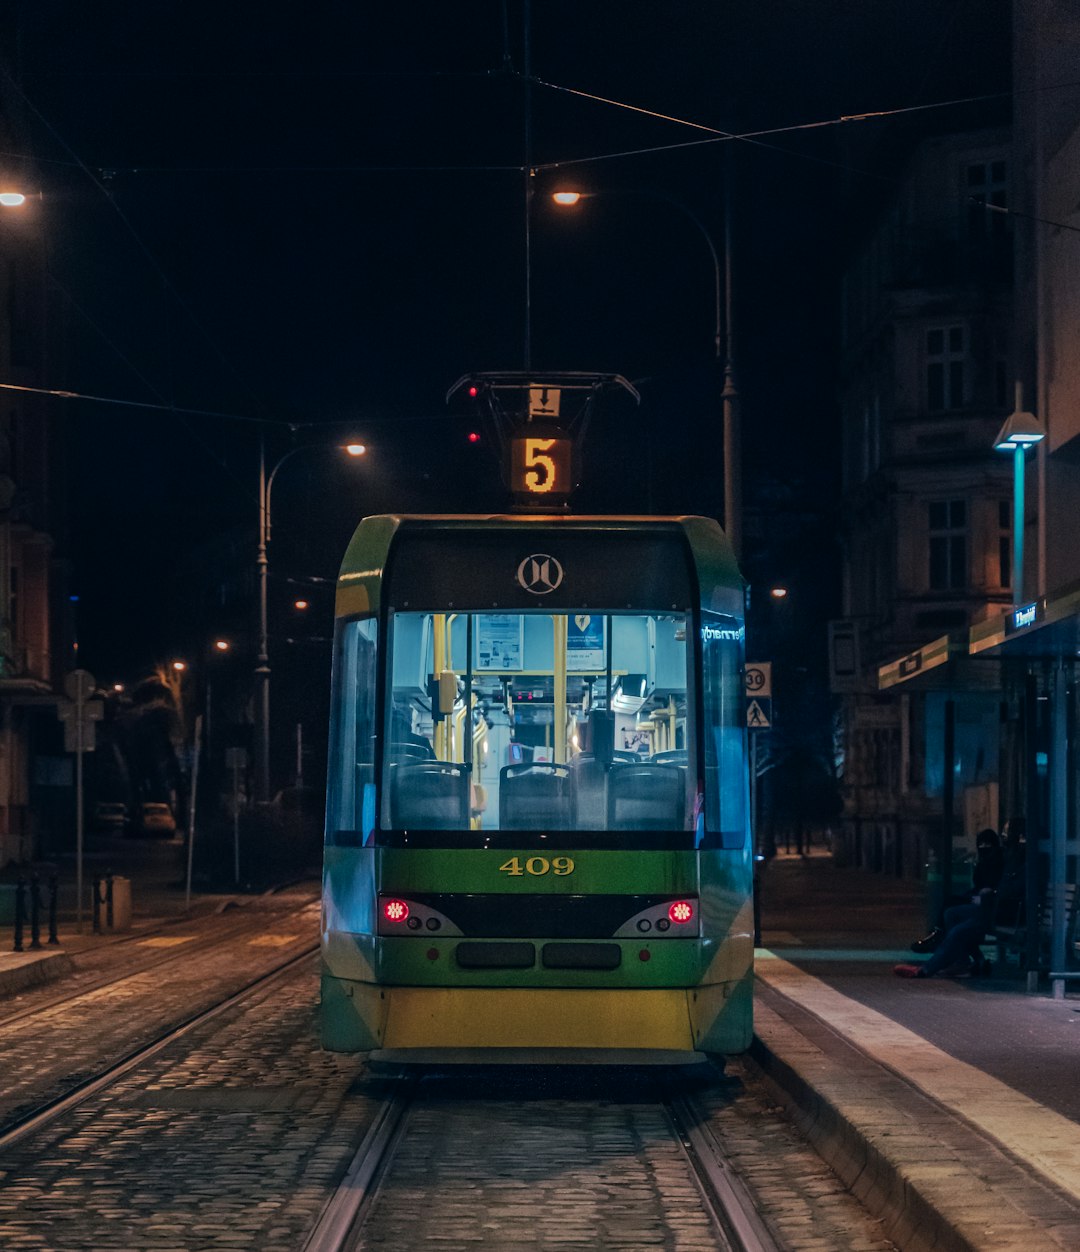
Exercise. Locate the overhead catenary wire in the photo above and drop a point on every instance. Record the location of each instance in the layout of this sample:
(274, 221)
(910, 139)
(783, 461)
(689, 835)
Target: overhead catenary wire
(716, 135)
(143, 247)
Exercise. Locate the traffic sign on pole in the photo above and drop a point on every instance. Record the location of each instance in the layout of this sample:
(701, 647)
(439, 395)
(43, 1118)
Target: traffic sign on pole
(758, 678)
(79, 717)
(759, 714)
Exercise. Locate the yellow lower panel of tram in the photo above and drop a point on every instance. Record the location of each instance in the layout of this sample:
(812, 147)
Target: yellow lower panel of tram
(482, 1017)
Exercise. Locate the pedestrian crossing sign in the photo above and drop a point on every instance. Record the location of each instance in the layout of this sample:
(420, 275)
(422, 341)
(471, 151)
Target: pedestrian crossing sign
(759, 713)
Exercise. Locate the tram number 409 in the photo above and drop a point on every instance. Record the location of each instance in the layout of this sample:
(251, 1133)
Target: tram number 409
(538, 866)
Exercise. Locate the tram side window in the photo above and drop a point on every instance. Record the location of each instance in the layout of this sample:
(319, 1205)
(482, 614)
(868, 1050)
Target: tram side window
(350, 814)
(726, 795)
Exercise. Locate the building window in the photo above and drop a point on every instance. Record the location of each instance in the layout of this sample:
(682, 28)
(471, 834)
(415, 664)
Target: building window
(986, 184)
(1004, 543)
(948, 545)
(946, 368)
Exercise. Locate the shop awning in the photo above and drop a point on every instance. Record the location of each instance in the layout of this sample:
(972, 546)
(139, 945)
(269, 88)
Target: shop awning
(1045, 628)
(942, 665)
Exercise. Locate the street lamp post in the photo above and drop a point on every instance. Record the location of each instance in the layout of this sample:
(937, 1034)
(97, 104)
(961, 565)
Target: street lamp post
(1020, 432)
(723, 342)
(262, 567)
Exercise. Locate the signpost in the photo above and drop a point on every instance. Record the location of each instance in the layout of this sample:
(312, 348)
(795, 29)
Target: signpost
(79, 717)
(236, 760)
(758, 678)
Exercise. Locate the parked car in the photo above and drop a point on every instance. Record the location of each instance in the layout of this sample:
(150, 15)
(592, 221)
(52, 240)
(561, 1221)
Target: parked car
(156, 819)
(110, 815)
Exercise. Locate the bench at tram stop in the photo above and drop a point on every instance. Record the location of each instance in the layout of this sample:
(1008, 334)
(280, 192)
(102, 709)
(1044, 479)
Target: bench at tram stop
(1013, 940)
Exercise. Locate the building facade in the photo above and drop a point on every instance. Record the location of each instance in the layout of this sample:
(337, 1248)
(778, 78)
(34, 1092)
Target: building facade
(963, 304)
(927, 375)
(36, 640)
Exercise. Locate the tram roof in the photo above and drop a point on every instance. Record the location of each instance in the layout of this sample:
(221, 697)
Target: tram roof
(360, 579)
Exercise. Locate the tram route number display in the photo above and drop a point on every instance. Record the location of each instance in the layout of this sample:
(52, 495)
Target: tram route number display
(538, 866)
(540, 467)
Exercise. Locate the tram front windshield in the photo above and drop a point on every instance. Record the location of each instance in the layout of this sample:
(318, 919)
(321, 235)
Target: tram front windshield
(537, 721)
(502, 722)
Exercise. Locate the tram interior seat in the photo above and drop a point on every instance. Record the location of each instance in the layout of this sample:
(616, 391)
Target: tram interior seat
(647, 797)
(589, 777)
(399, 751)
(534, 797)
(674, 756)
(429, 795)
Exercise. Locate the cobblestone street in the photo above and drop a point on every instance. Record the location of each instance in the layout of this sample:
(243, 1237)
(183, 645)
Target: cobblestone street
(237, 1134)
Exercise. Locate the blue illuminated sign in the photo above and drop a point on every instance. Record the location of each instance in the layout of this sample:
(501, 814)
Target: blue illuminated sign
(1023, 616)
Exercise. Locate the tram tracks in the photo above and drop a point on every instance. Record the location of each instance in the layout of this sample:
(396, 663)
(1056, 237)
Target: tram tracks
(731, 1210)
(34, 1121)
(180, 950)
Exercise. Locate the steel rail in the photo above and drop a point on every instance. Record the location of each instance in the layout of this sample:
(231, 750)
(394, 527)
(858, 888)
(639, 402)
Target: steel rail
(724, 1192)
(23, 1127)
(200, 943)
(340, 1220)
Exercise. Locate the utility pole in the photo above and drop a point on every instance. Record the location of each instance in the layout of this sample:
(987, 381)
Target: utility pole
(262, 661)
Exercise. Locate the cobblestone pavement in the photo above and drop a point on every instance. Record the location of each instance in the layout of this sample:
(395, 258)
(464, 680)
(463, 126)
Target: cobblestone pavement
(49, 1052)
(578, 1162)
(232, 1138)
(237, 1135)
(802, 1200)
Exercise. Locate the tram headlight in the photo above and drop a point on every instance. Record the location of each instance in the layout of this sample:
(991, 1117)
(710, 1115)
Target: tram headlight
(681, 912)
(395, 910)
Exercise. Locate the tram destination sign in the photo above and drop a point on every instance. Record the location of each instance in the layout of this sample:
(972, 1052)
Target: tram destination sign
(541, 467)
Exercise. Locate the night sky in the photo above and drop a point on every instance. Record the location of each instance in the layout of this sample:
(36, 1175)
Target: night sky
(314, 214)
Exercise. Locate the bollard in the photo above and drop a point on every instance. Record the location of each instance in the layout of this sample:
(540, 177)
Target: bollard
(108, 900)
(20, 912)
(35, 911)
(54, 888)
(97, 906)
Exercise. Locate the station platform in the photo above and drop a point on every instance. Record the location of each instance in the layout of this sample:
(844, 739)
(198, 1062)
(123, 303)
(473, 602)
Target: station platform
(950, 1107)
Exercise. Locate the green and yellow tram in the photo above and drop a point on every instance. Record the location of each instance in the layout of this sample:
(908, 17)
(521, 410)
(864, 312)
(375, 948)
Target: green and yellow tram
(537, 841)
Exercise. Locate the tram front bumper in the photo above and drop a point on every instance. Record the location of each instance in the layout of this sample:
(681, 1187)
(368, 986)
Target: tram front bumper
(365, 1017)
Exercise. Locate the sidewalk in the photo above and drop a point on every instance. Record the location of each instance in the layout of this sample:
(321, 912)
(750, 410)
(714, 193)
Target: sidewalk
(952, 1108)
(156, 870)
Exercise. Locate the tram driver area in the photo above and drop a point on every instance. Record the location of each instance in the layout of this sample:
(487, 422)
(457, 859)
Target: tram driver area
(541, 722)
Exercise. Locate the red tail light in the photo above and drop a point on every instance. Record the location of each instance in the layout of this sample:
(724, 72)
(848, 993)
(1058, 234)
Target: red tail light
(395, 910)
(682, 911)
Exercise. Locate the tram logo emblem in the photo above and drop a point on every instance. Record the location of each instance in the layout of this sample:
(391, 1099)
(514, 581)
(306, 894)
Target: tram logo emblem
(539, 574)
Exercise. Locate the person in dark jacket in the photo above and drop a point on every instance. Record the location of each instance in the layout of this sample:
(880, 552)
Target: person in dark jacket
(985, 874)
(958, 954)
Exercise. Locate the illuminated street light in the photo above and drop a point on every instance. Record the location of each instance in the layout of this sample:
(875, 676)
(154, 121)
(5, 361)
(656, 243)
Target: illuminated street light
(722, 339)
(118, 686)
(179, 666)
(222, 645)
(300, 604)
(1021, 431)
(778, 593)
(262, 566)
(12, 199)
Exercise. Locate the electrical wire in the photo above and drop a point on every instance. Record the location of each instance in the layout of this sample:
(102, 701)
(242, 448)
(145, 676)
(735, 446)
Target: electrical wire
(61, 394)
(129, 225)
(723, 136)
